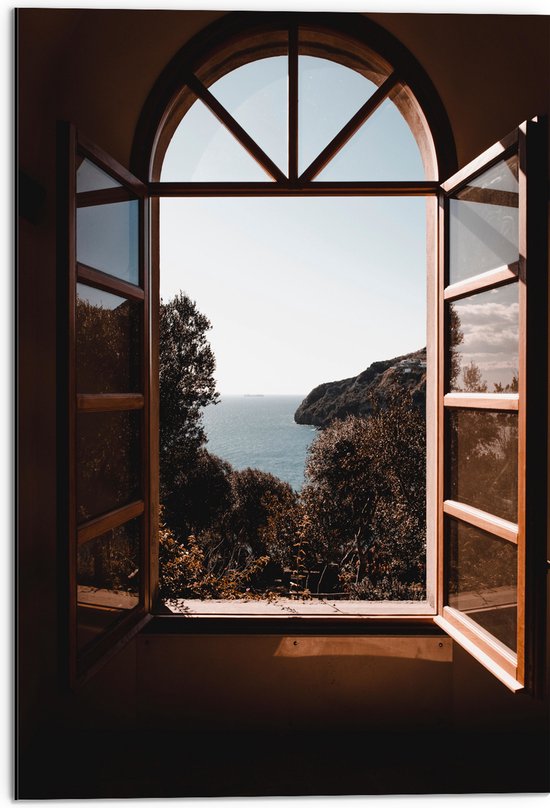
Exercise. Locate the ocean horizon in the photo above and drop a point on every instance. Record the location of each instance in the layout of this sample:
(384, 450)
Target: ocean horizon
(256, 430)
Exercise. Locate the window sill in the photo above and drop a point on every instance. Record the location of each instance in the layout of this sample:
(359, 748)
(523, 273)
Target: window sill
(257, 617)
(289, 607)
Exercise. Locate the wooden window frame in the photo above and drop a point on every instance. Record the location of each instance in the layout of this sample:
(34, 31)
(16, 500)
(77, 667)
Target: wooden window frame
(343, 47)
(524, 668)
(74, 147)
(210, 55)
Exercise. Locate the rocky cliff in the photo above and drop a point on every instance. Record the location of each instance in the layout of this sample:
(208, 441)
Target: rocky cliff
(354, 396)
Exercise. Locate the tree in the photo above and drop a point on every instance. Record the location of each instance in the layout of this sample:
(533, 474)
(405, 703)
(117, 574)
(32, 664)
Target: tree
(201, 495)
(107, 443)
(473, 380)
(364, 500)
(251, 526)
(186, 379)
(456, 338)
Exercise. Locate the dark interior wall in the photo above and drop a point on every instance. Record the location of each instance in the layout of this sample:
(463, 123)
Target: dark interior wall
(95, 68)
(491, 71)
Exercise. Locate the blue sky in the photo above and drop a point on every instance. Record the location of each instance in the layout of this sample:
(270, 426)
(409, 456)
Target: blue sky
(299, 291)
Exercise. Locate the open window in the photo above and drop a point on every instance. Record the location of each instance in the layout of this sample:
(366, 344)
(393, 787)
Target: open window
(107, 355)
(486, 408)
(493, 432)
(313, 149)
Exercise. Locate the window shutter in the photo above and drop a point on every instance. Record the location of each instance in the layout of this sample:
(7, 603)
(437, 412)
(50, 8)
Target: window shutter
(104, 375)
(492, 407)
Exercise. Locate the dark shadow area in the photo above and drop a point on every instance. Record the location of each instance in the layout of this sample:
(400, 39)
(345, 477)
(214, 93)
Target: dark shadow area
(110, 764)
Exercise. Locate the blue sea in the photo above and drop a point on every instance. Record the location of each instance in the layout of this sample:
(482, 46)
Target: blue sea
(260, 432)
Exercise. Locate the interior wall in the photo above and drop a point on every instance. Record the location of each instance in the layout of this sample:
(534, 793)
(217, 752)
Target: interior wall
(95, 68)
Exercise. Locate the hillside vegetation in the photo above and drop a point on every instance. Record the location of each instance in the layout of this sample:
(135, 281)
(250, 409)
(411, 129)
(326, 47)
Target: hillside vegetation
(376, 385)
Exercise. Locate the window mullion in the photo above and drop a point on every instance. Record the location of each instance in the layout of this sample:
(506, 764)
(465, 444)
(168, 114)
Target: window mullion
(347, 131)
(293, 103)
(225, 117)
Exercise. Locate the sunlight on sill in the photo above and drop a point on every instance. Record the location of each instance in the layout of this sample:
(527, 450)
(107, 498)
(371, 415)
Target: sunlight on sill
(288, 607)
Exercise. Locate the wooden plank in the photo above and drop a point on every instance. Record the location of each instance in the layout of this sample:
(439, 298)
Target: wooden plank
(326, 612)
(146, 465)
(485, 280)
(107, 646)
(106, 196)
(70, 213)
(259, 189)
(522, 414)
(533, 152)
(489, 196)
(432, 399)
(442, 249)
(109, 402)
(495, 660)
(483, 401)
(483, 162)
(153, 393)
(482, 520)
(110, 165)
(347, 131)
(108, 283)
(293, 102)
(101, 524)
(235, 128)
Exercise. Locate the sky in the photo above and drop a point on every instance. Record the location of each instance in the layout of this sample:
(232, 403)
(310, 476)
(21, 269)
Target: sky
(298, 291)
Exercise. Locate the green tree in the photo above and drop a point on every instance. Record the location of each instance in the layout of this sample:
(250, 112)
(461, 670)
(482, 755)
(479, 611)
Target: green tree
(364, 501)
(186, 379)
(456, 338)
(200, 496)
(249, 528)
(473, 380)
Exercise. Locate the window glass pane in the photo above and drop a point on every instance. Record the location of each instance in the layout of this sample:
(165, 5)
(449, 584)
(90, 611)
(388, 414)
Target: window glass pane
(483, 579)
(107, 238)
(483, 342)
(483, 222)
(108, 461)
(108, 341)
(256, 96)
(329, 95)
(90, 177)
(484, 460)
(107, 579)
(203, 150)
(382, 149)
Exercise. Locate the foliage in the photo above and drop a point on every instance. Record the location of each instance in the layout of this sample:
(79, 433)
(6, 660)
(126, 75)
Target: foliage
(358, 526)
(186, 379)
(365, 498)
(512, 387)
(473, 381)
(483, 451)
(257, 497)
(107, 341)
(456, 338)
(185, 572)
(244, 532)
(361, 512)
(201, 495)
(111, 561)
(107, 443)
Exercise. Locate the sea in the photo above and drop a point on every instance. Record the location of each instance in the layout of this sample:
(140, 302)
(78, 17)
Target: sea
(259, 431)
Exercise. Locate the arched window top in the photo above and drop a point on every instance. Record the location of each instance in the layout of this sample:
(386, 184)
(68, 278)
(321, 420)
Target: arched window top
(294, 104)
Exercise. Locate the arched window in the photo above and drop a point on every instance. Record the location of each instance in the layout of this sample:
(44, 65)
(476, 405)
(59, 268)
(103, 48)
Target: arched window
(297, 94)
(319, 118)
(303, 107)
